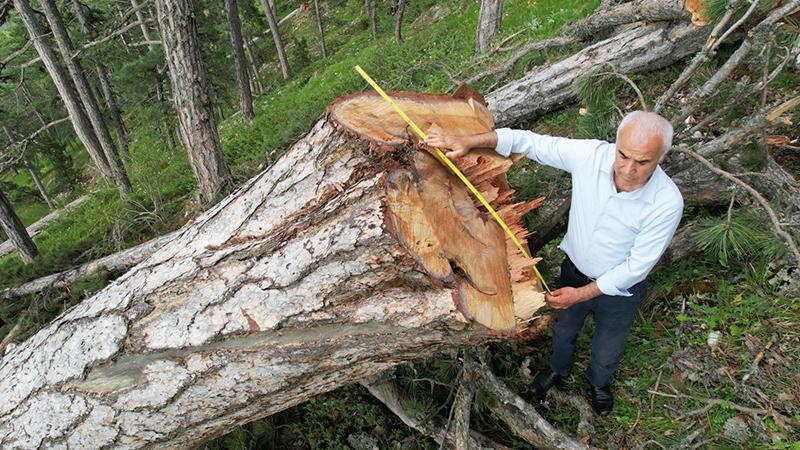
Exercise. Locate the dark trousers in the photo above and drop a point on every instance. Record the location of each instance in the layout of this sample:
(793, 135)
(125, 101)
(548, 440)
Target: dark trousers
(613, 317)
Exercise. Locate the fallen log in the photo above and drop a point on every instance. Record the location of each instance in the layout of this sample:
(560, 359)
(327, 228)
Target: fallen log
(6, 247)
(640, 49)
(113, 263)
(353, 253)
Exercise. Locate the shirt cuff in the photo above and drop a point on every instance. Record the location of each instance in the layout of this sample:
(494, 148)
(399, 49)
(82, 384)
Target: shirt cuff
(504, 141)
(607, 287)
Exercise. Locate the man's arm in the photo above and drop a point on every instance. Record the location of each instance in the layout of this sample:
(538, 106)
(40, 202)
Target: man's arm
(561, 153)
(461, 145)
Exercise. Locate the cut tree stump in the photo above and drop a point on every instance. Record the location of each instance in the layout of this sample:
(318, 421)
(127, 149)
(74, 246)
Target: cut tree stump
(354, 252)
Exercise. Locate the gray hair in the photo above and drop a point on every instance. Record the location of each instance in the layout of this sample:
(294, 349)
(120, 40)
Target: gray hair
(649, 122)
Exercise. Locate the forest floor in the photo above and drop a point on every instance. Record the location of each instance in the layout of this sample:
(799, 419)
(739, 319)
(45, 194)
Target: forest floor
(711, 361)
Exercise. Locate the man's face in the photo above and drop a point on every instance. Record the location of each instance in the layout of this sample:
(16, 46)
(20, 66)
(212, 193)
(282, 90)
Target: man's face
(637, 157)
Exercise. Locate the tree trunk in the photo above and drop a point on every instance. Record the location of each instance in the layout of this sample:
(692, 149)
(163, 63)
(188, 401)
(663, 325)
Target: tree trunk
(254, 65)
(111, 103)
(489, 18)
(7, 247)
(162, 102)
(76, 113)
(235, 26)
(198, 129)
(334, 264)
(318, 17)
(373, 24)
(398, 21)
(276, 37)
(31, 169)
(86, 96)
(637, 50)
(142, 23)
(16, 234)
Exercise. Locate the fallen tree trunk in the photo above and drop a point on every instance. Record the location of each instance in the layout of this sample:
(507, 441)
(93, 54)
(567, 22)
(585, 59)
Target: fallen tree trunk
(114, 263)
(351, 254)
(637, 50)
(6, 247)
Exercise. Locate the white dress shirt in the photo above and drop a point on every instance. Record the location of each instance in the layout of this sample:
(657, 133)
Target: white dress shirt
(614, 237)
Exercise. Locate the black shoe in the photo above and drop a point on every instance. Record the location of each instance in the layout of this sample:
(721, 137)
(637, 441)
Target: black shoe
(602, 399)
(543, 381)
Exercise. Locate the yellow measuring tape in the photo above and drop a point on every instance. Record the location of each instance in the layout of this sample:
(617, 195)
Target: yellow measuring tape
(452, 167)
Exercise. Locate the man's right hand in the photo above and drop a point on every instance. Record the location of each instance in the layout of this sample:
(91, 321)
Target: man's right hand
(458, 145)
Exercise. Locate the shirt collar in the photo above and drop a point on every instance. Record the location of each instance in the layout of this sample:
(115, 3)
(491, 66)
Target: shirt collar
(646, 193)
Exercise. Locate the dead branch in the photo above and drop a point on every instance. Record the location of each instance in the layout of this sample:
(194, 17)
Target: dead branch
(736, 25)
(755, 38)
(585, 411)
(699, 59)
(115, 262)
(393, 397)
(520, 416)
(463, 405)
(535, 46)
(788, 239)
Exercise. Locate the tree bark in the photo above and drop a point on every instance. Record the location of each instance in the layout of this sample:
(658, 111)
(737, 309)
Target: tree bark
(16, 232)
(87, 97)
(111, 104)
(254, 66)
(276, 38)
(320, 30)
(373, 24)
(102, 76)
(320, 271)
(235, 27)
(198, 129)
(398, 20)
(489, 18)
(74, 109)
(638, 50)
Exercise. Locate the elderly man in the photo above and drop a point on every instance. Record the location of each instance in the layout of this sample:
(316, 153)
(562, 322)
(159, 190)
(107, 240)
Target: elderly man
(624, 212)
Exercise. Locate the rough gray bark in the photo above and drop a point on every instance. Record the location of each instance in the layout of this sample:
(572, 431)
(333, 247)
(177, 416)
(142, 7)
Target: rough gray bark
(16, 233)
(276, 38)
(489, 17)
(373, 24)
(6, 247)
(87, 97)
(77, 116)
(198, 129)
(637, 50)
(398, 20)
(111, 104)
(320, 30)
(290, 287)
(102, 76)
(255, 76)
(235, 27)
